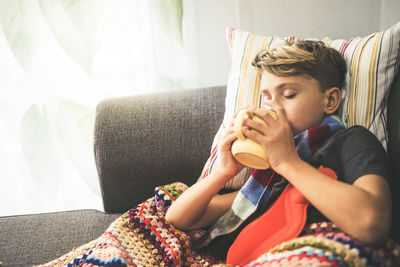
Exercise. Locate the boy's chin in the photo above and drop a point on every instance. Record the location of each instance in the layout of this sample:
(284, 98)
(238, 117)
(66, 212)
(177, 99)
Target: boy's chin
(295, 131)
(298, 131)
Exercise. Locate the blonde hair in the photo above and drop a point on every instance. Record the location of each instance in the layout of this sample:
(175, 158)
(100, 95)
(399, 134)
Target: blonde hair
(305, 57)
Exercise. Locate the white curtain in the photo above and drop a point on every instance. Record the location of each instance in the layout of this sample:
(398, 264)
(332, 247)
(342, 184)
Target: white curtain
(58, 59)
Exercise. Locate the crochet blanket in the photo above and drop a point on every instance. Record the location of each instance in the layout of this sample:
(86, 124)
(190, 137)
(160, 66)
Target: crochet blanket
(142, 237)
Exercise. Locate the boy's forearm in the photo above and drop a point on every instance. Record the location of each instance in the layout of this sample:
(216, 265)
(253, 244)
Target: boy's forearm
(359, 209)
(188, 209)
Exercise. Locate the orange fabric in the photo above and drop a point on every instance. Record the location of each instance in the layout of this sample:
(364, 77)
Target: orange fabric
(283, 221)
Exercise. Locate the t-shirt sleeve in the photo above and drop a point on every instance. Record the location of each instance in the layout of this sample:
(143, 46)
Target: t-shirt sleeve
(362, 154)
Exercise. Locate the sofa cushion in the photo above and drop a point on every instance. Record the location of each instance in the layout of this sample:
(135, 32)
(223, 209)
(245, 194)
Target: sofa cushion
(372, 63)
(36, 239)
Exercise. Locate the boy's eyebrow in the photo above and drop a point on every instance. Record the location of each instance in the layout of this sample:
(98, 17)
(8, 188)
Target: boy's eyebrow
(281, 86)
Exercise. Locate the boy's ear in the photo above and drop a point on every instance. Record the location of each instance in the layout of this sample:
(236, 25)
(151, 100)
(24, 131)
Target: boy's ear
(332, 100)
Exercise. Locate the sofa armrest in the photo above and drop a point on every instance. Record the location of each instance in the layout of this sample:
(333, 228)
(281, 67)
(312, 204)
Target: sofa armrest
(147, 140)
(28, 240)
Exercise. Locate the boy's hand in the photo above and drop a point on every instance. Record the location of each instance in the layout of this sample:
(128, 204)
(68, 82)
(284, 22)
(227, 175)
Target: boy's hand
(228, 165)
(276, 137)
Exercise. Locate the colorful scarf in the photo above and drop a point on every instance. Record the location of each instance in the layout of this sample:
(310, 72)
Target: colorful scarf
(264, 186)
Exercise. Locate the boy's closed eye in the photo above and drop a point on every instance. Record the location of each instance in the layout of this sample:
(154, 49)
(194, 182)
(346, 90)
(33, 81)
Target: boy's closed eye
(289, 93)
(289, 96)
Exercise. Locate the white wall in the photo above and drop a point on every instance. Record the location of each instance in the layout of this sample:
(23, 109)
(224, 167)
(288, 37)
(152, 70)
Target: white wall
(204, 30)
(310, 18)
(206, 21)
(390, 13)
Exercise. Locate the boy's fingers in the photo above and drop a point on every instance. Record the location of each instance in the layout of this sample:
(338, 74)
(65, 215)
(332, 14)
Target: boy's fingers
(228, 132)
(239, 109)
(262, 112)
(253, 135)
(252, 124)
(228, 139)
(252, 109)
(281, 114)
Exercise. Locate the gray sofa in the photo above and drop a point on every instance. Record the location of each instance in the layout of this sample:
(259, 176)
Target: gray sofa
(141, 142)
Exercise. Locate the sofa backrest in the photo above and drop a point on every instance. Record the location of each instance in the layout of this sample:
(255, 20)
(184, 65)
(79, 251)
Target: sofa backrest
(144, 141)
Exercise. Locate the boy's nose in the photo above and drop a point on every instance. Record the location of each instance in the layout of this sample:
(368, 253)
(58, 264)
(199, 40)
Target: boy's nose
(271, 104)
(267, 107)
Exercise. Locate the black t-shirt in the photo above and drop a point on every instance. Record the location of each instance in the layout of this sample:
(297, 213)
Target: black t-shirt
(350, 153)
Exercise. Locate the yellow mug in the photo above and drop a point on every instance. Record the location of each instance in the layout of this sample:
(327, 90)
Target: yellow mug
(246, 151)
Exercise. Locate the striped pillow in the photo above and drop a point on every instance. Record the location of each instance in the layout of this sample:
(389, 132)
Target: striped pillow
(372, 63)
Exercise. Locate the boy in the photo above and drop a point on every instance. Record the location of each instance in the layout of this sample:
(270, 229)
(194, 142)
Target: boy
(302, 83)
